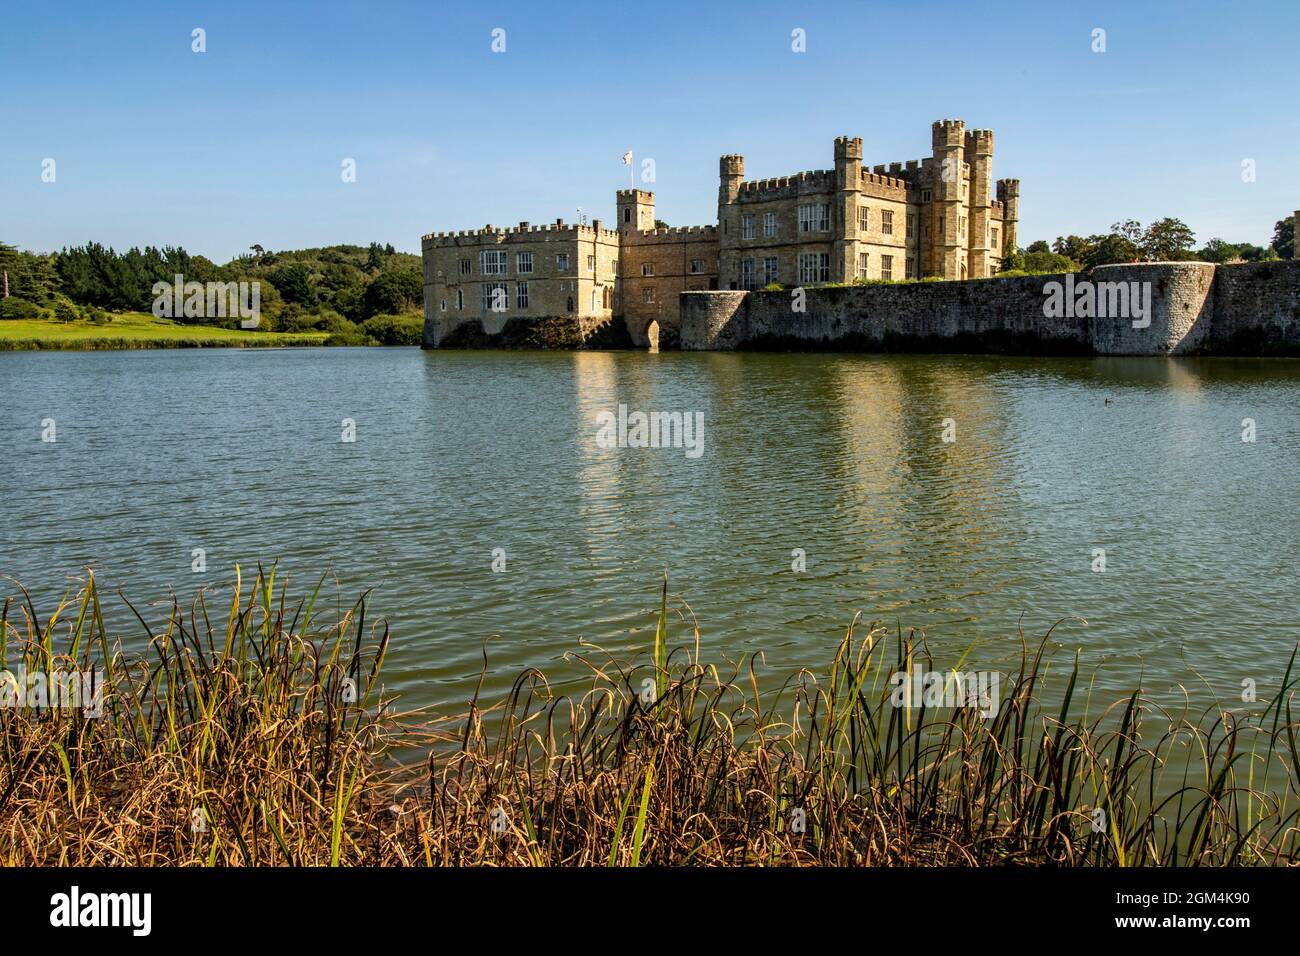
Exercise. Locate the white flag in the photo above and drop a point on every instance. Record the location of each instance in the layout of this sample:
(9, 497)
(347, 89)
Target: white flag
(627, 158)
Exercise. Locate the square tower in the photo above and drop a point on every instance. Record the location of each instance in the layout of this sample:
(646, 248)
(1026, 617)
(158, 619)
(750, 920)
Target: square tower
(636, 210)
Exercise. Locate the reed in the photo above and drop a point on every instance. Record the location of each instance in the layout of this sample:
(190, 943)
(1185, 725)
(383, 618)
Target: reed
(261, 738)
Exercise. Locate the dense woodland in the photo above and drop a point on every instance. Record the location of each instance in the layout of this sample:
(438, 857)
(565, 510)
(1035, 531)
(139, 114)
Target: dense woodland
(358, 294)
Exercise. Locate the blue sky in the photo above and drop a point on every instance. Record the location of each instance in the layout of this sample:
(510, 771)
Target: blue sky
(155, 144)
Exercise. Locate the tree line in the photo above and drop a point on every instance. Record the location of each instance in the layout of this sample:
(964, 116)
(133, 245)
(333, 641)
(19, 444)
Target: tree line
(1165, 240)
(357, 294)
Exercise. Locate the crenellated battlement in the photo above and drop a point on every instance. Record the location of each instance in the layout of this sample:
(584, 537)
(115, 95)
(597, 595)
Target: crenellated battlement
(731, 165)
(979, 142)
(673, 234)
(890, 176)
(848, 150)
(948, 134)
(813, 180)
(489, 233)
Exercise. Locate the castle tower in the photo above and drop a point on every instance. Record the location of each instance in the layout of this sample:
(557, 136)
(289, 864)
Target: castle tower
(848, 173)
(948, 138)
(731, 172)
(979, 153)
(636, 210)
(1009, 196)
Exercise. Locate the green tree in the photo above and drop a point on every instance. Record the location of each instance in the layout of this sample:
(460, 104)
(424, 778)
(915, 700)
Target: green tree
(64, 310)
(1167, 240)
(1074, 247)
(1219, 250)
(350, 301)
(1037, 246)
(1284, 238)
(1105, 250)
(1043, 260)
(30, 275)
(293, 280)
(394, 292)
(1130, 229)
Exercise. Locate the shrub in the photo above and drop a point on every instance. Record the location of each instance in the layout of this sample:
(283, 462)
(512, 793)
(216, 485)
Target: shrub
(64, 310)
(16, 308)
(331, 321)
(395, 329)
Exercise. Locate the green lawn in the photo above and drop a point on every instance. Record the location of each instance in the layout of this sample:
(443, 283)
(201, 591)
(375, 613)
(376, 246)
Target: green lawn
(139, 330)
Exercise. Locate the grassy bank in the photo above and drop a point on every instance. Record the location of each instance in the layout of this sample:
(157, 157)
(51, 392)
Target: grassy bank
(254, 733)
(139, 330)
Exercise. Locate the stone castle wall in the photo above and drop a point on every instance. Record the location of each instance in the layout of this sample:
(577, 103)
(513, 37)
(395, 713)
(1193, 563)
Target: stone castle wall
(1256, 309)
(1195, 308)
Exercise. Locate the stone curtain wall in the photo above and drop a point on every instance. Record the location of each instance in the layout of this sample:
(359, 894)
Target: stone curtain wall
(1195, 307)
(1256, 309)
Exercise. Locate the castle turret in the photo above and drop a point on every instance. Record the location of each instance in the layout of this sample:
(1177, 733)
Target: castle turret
(848, 161)
(1009, 196)
(848, 173)
(731, 172)
(949, 140)
(636, 210)
(979, 153)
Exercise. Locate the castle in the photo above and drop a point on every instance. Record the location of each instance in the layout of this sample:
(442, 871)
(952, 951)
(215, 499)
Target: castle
(936, 217)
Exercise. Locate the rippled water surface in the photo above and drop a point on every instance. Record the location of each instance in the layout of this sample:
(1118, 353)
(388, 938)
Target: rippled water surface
(459, 453)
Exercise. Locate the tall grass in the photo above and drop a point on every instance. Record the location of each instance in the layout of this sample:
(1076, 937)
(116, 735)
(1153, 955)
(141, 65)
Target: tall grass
(261, 739)
(234, 742)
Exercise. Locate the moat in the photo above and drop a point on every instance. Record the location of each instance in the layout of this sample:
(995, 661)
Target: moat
(837, 462)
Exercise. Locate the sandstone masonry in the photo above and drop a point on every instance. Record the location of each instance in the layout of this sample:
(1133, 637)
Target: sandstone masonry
(942, 216)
